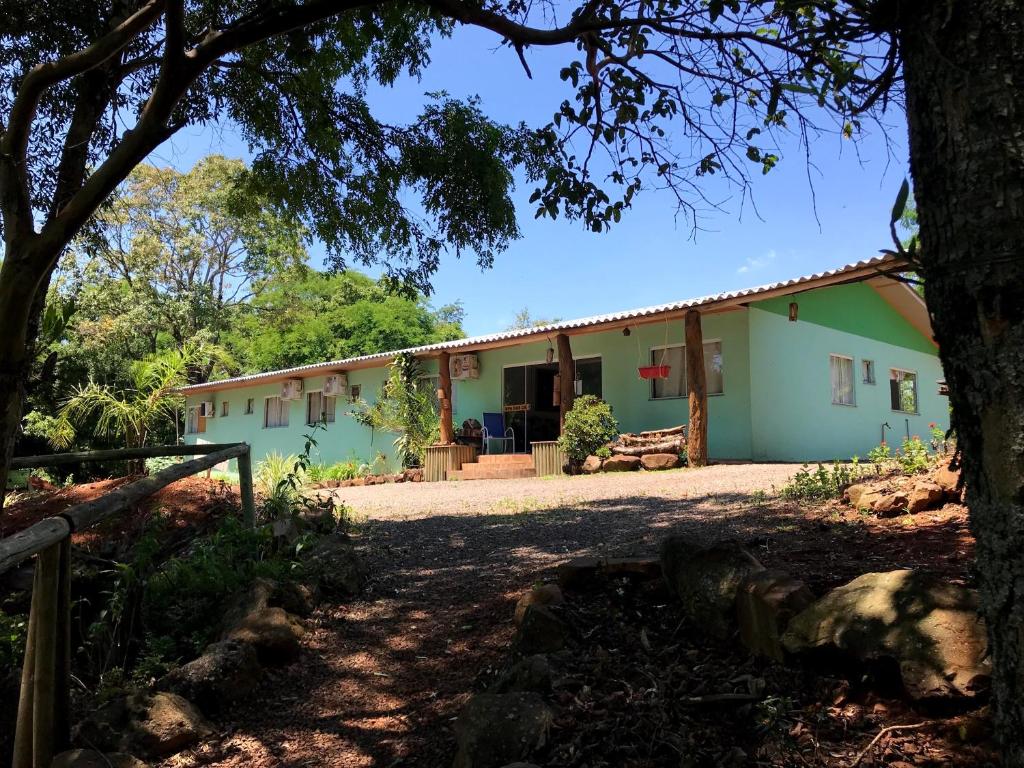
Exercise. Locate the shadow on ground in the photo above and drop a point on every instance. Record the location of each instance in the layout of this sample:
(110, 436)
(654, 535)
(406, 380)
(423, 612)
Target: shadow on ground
(385, 676)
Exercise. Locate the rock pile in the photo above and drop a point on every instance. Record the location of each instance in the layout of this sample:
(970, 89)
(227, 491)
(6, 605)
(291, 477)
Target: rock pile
(405, 476)
(655, 450)
(890, 497)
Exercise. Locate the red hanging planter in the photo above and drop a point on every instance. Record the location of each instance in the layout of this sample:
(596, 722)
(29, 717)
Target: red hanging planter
(654, 371)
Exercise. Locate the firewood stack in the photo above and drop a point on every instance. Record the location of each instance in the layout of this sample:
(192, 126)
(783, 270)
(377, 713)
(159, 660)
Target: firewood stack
(671, 440)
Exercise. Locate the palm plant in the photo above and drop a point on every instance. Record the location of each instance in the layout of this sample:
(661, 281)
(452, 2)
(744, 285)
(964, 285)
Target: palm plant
(406, 407)
(151, 399)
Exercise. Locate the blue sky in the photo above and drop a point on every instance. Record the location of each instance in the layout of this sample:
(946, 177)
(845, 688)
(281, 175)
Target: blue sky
(558, 269)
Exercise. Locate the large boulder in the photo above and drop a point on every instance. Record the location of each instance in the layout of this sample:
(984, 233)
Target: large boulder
(165, 723)
(541, 631)
(656, 461)
(621, 464)
(928, 625)
(854, 493)
(91, 758)
(948, 480)
(495, 729)
(706, 579)
(530, 674)
(592, 465)
(226, 672)
(274, 633)
(337, 567)
(540, 594)
(924, 496)
(766, 601)
(891, 504)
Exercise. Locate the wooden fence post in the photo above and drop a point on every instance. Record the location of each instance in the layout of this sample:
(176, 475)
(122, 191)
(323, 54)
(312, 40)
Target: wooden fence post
(245, 488)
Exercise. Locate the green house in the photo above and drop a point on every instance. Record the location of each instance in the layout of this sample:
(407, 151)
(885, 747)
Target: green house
(815, 368)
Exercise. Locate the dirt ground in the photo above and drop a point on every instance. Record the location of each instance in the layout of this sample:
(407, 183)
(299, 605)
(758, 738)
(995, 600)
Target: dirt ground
(385, 676)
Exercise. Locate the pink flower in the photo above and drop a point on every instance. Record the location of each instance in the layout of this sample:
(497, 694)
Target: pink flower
(932, 425)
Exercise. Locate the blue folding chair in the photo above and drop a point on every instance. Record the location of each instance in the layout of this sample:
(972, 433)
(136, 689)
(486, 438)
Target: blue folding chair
(494, 429)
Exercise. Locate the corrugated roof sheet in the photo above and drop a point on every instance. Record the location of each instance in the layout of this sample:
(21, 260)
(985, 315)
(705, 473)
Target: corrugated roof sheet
(797, 283)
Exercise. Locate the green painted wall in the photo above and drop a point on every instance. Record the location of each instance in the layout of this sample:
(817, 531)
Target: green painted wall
(855, 308)
(342, 440)
(793, 417)
(777, 403)
(630, 396)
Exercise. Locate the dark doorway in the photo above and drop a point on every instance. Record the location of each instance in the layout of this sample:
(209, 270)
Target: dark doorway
(528, 397)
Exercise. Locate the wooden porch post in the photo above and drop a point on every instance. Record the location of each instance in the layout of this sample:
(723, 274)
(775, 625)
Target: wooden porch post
(445, 398)
(566, 379)
(696, 385)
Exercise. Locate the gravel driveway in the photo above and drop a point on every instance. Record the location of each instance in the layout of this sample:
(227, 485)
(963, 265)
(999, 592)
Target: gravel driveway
(408, 501)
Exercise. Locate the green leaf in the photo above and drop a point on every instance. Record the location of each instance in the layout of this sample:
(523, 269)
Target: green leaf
(901, 202)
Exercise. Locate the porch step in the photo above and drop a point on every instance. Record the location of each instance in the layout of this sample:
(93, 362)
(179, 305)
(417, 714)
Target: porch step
(506, 459)
(491, 472)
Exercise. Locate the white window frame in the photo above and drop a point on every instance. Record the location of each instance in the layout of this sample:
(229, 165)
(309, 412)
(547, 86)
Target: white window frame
(323, 413)
(285, 408)
(656, 347)
(250, 406)
(864, 378)
(917, 391)
(853, 379)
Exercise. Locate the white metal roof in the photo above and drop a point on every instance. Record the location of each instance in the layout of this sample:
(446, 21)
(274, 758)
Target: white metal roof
(861, 270)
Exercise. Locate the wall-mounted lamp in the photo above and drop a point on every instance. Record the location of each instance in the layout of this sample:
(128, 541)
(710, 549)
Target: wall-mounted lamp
(549, 356)
(794, 309)
(625, 331)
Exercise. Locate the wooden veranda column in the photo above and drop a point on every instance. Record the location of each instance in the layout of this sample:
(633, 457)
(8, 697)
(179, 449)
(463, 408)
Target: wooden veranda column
(444, 395)
(566, 378)
(696, 385)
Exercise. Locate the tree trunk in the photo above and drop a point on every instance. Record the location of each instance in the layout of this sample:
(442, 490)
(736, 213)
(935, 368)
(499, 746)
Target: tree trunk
(445, 397)
(566, 379)
(18, 288)
(696, 385)
(964, 71)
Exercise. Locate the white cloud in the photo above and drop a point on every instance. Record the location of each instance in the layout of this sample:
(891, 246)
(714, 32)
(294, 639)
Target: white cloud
(753, 263)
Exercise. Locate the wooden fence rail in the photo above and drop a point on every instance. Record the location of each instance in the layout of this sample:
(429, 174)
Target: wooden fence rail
(43, 724)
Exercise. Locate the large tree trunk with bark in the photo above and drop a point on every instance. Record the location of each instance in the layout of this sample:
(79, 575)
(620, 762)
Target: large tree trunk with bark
(964, 70)
(19, 284)
(444, 372)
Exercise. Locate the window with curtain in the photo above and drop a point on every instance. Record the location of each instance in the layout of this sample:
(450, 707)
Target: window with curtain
(675, 358)
(903, 390)
(275, 413)
(319, 408)
(842, 380)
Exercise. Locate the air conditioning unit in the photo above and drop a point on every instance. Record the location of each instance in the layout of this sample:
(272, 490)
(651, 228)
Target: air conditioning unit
(207, 410)
(336, 385)
(465, 366)
(291, 389)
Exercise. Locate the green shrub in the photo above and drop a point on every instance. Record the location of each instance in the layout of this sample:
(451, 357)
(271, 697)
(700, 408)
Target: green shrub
(880, 456)
(185, 597)
(12, 640)
(588, 426)
(343, 470)
(912, 456)
(822, 483)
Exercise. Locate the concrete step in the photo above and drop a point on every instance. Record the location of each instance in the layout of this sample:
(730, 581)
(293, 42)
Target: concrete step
(506, 459)
(478, 472)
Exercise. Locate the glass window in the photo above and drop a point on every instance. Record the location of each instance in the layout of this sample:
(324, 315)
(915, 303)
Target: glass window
(588, 371)
(867, 371)
(275, 412)
(224, 408)
(195, 424)
(250, 403)
(675, 358)
(319, 408)
(842, 379)
(903, 390)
